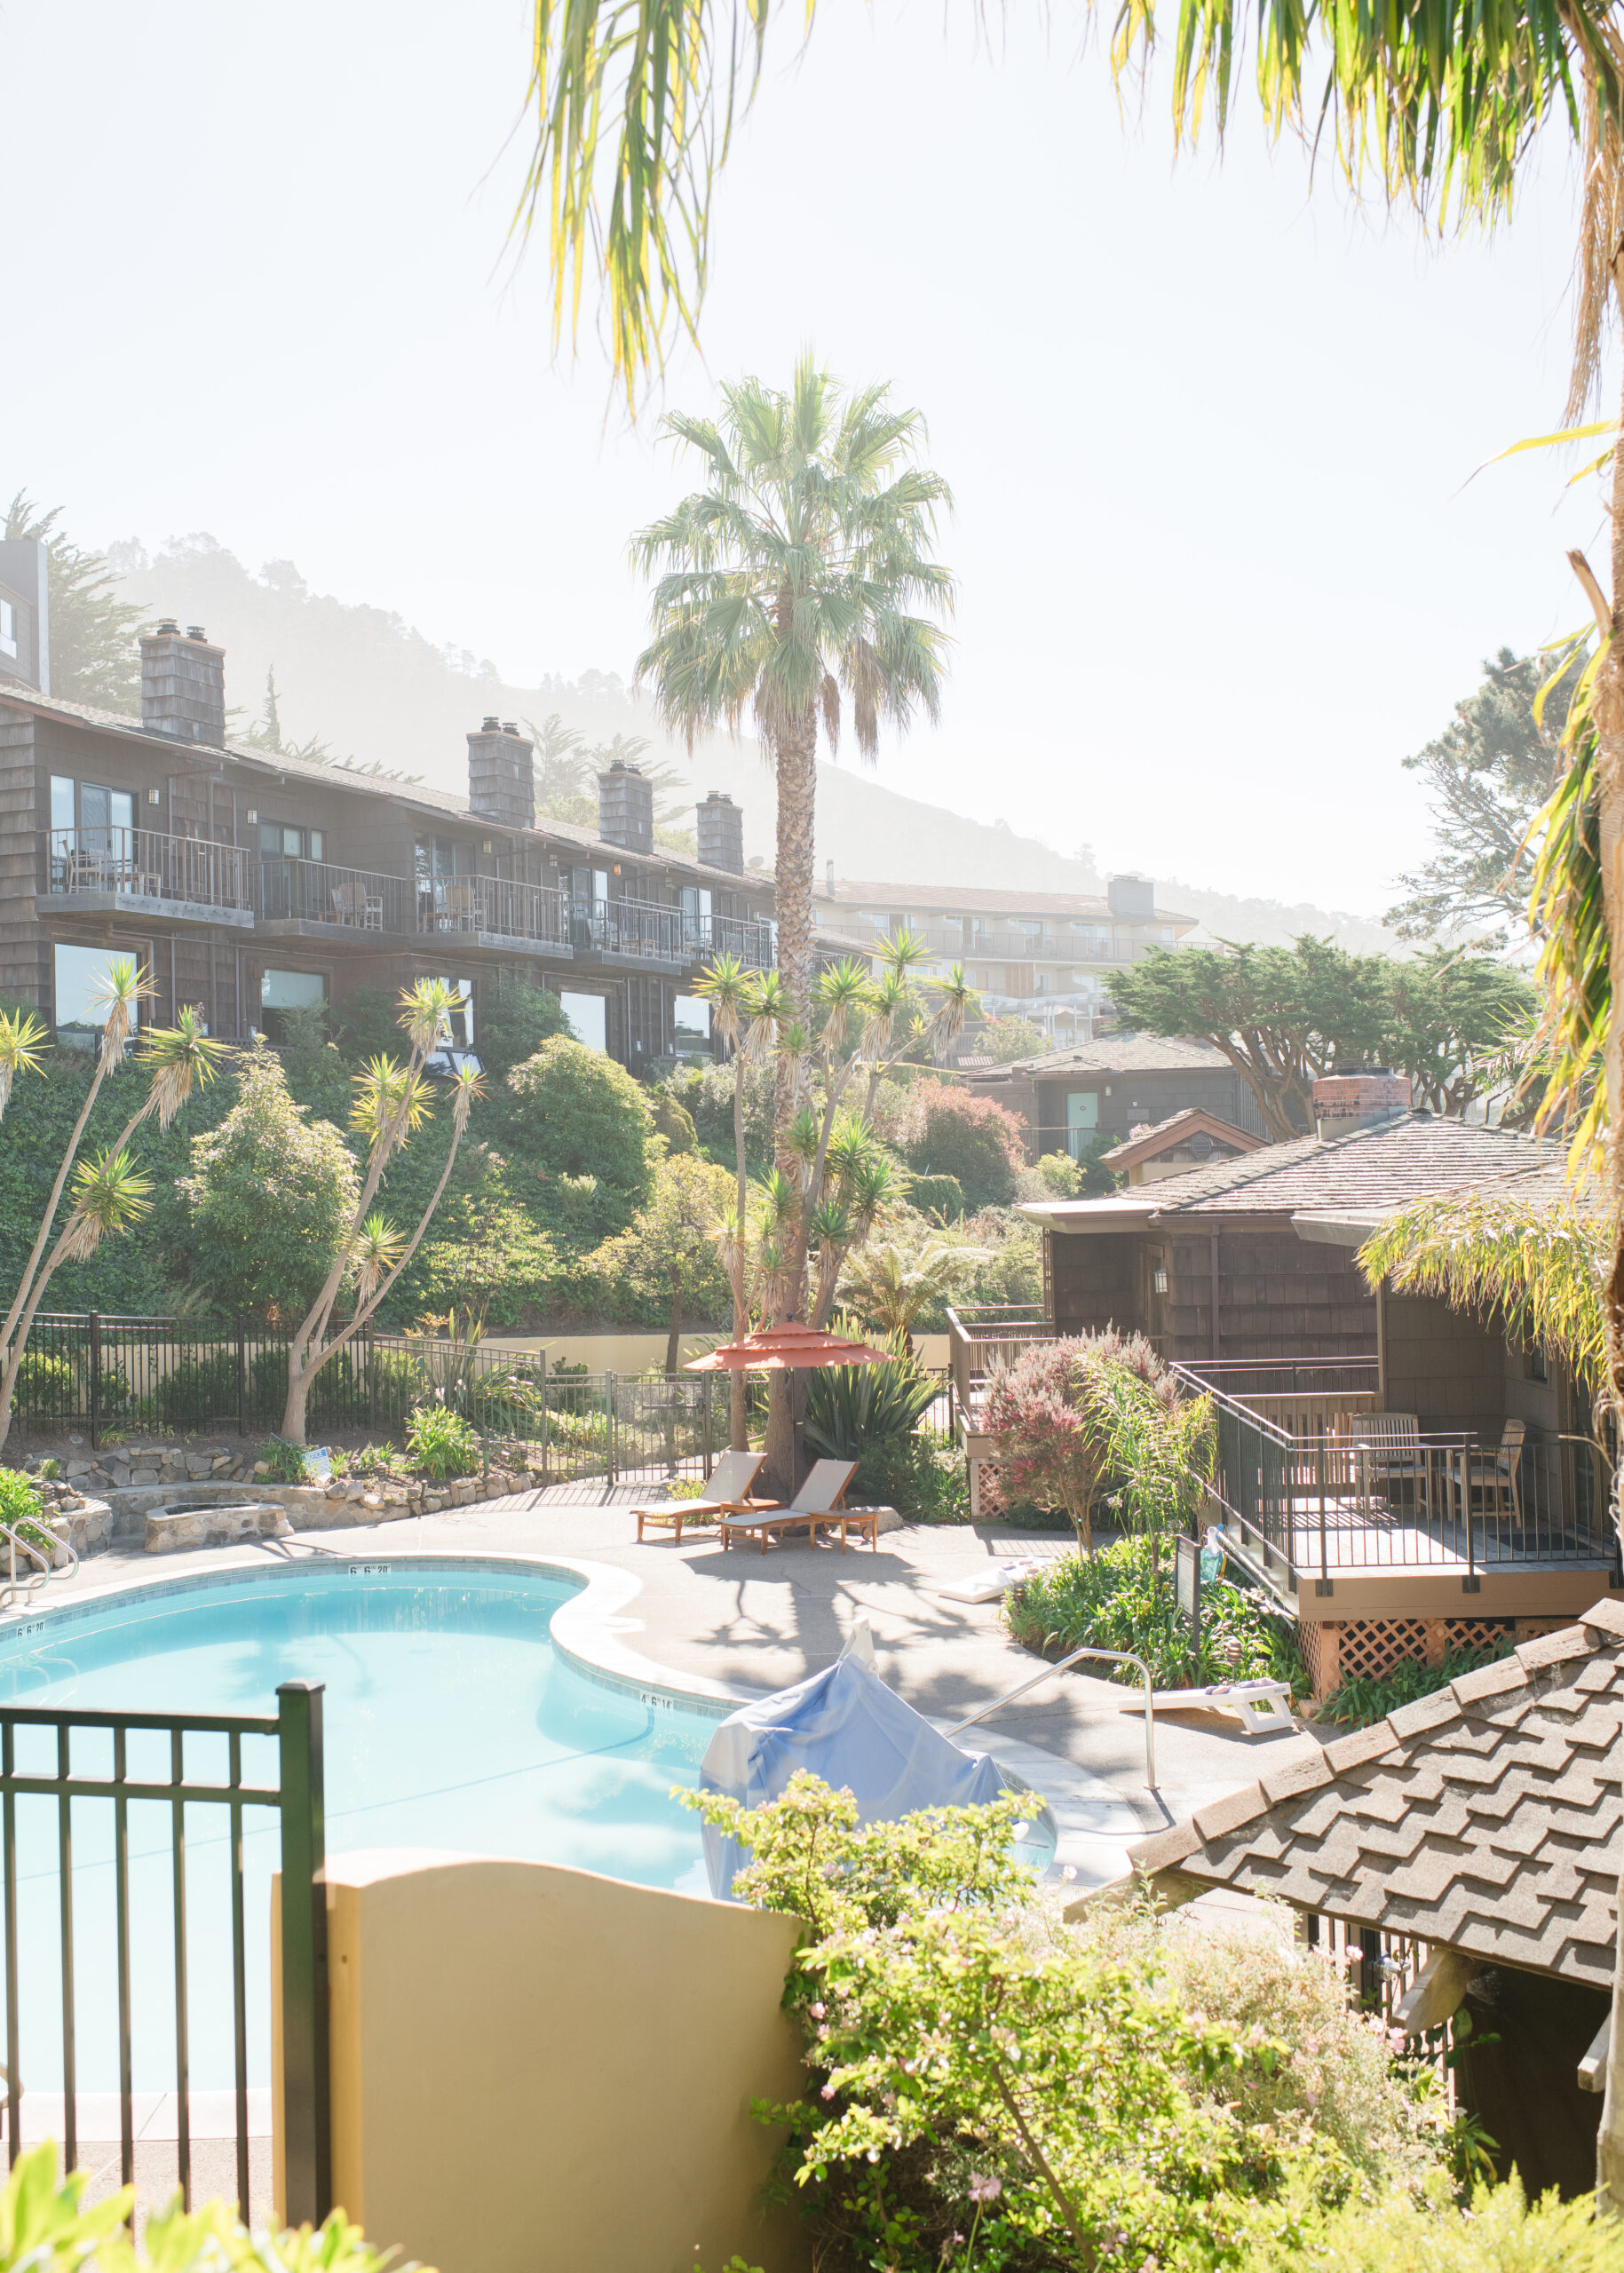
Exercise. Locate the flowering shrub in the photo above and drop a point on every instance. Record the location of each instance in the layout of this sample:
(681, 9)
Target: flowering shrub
(948, 1131)
(1122, 1598)
(980, 2078)
(1078, 1419)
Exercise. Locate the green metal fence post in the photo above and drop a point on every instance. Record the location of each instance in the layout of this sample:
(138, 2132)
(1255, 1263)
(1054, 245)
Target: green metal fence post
(306, 2141)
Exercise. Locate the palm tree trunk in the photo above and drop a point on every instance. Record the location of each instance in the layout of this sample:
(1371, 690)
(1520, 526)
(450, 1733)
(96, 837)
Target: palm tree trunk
(1610, 770)
(796, 768)
(737, 1408)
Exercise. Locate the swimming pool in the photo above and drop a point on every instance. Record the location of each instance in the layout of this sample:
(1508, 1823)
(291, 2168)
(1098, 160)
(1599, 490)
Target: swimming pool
(451, 1722)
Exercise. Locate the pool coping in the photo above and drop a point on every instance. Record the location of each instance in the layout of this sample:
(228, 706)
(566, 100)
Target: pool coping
(1093, 1820)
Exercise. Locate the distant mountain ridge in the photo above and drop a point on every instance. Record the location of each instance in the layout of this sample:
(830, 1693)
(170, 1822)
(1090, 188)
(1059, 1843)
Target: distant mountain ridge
(373, 687)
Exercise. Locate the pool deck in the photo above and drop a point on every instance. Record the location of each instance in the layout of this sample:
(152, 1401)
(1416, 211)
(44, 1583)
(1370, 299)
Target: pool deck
(752, 1622)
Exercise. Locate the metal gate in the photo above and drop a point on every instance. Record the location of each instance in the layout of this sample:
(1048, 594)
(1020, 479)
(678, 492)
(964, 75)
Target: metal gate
(297, 1798)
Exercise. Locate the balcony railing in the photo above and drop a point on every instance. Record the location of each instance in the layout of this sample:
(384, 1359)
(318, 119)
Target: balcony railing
(495, 907)
(1358, 1498)
(734, 935)
(983, 1336)
(316, 892)
(139, 863)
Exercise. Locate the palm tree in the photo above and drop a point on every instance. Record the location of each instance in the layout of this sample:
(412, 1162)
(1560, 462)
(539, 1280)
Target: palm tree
(1540, 1271)
(887, 1286)
(786, 583)
(391, 1103)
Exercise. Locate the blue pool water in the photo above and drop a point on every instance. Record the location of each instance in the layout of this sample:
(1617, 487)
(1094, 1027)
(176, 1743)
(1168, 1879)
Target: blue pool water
(451, 1723)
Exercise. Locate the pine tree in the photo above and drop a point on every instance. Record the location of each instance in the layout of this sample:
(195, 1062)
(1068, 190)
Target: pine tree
(94, 658)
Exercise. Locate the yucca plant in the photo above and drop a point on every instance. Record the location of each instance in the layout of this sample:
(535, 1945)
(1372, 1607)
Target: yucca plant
(851, 1407)
(391, 1105)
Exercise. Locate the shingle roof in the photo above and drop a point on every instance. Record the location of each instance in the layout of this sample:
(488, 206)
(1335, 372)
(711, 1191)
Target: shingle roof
(1417, 1156)
(1128, 1053)
(378, 785)
(1489, 1816)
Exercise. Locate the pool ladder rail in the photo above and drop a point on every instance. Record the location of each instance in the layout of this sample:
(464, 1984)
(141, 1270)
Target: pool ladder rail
(14, 1590)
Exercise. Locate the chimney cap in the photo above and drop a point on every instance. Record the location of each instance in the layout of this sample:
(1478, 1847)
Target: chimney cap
(509, 725)
(490, 726)
(168, 623)
(195, 631)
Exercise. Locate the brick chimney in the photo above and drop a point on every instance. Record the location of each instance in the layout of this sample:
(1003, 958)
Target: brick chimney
(626, 808)
(1345, 1102)
(502, 774)
(721, 832)
(183, 684)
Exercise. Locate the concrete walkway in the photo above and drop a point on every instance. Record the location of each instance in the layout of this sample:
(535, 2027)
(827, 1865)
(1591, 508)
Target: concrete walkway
(759, 1622)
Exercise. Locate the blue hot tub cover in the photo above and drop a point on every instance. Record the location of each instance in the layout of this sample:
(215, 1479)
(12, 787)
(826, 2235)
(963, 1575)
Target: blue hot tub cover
(847, 1727)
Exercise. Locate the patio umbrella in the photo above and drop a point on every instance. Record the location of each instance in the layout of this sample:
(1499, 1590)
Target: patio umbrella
(788, 1349)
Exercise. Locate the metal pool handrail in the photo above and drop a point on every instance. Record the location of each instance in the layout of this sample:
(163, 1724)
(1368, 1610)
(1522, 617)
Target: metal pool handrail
(1116, 1657)
(32, 1585)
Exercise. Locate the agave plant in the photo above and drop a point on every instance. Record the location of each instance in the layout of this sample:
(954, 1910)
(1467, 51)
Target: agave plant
(850, 1407)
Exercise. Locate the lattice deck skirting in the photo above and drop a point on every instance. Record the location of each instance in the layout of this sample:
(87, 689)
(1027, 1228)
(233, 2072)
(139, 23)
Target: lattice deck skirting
(1338, 1651)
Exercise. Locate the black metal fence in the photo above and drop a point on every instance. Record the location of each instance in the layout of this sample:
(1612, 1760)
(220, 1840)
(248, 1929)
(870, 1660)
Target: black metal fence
(116, 1377)
(69, 1781)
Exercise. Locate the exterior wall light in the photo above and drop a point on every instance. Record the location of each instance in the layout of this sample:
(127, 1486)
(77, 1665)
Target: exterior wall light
(152, 796)
(1159, 1282)
(252, 816)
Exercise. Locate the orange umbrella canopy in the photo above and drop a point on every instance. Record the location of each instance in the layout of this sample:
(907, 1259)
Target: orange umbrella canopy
(783, 1349)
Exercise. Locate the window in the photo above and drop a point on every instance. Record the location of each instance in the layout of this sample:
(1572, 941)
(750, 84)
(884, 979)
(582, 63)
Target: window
(103, 812)
(281, 841)
(1539, 1366)
(61, 802)
(588, 1019)
(462, 1020)
(81, 974)
(8, 628)
(690, 1027)
(281, 990)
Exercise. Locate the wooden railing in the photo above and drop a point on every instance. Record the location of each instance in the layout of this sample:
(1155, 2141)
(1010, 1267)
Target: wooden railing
(982, 1336)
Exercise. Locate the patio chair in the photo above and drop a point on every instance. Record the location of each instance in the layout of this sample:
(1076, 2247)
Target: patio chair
(1494, 1473)
(729, 1495)
(353, 904)
(1386, 1446)
(815, 1506)
(461, 907)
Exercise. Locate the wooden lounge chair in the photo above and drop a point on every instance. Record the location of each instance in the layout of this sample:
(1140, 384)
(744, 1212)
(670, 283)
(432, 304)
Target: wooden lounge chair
(728, 1494)
(815, 1506)
(462, 907)
(353, 904)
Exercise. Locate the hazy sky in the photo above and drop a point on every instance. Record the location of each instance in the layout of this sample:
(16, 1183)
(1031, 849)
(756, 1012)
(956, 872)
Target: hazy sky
(1208, 435)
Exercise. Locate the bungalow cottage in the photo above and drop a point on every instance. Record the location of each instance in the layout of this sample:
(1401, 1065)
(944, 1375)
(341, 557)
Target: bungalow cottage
(1401, 1478)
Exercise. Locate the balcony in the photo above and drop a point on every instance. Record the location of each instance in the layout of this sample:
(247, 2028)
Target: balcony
(1326, 1497)
(137, 872)
(983, 1336)
(734, 935)
(495, 911)
(315, 900)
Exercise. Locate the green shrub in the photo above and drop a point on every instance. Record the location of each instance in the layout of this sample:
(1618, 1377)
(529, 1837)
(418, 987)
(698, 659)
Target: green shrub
(20, 1508)
(47, 1384)
(938, 1195)
(270, 1192)
(514, 1027)
(44, 2228)
(575, 1113)
(441, 1443)
(1122, 1598)
(49, 1470)
(200, 1389)
(285, 1461)
(1366, 1698)
(979, 2079)
(921, 1479)
(364, 1026)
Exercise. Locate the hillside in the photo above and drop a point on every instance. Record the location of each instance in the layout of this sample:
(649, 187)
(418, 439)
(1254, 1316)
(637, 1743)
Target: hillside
(374, 687)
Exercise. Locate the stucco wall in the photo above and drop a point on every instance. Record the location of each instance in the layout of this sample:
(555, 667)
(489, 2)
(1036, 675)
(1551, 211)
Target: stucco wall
(540, 2070)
